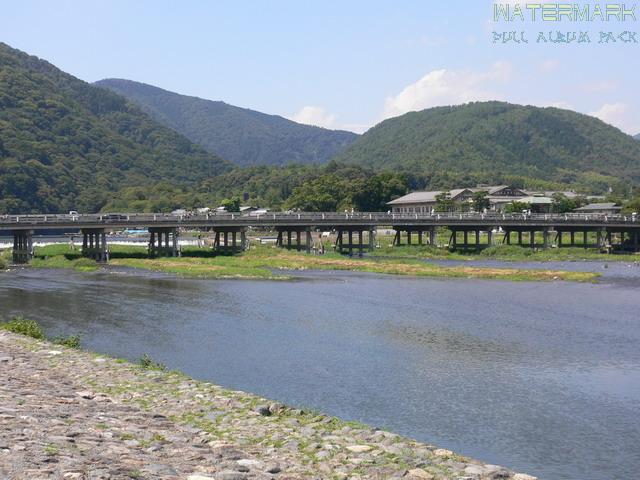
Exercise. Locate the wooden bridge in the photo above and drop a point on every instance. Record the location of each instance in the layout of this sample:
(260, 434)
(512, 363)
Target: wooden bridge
(355, 232)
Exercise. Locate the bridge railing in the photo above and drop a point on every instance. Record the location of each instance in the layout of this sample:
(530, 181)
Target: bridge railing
(385, 218)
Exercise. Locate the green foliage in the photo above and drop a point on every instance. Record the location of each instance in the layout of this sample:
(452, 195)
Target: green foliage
(500, 143)
(632, 206)
(516, 207)
(23, 326)
(231, 204)
(84, 264)
(5, 259)
(243, 136)
(147, 363)
(72, 341)
(562, 204)
(339, 187)
(507, 251)
(32, 329)
(481, 201)
(444, 202)
(67, 145)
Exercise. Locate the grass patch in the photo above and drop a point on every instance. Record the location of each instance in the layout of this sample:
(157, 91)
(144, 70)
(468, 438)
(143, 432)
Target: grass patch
(31, 328)
(263, 262)
(72, 341)
(5, 259)
(148, 363)
(22, 326)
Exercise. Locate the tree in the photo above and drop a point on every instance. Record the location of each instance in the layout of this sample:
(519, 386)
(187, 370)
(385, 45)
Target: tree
(444, 202)
(562, 204)
(231, 204)
(517, 207)
(632, 206)
(481, 201)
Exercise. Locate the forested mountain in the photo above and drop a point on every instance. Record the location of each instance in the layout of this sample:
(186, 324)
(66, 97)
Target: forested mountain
(244, 136)
(67, 145)
(637, 137)
(330, 187)
(493, 139)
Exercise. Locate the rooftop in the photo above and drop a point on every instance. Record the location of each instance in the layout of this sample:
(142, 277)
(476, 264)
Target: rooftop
(598, 206)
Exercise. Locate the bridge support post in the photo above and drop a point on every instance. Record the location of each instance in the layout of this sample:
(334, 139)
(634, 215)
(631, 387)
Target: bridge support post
(163, 242)
(545, 238)
(433, 236)
(490, 237)
(226, 240)
(299, 245)
(362, 244)
(94, 244)
(22, 246)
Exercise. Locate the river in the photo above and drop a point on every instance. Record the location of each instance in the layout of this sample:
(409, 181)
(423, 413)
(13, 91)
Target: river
(543, 378)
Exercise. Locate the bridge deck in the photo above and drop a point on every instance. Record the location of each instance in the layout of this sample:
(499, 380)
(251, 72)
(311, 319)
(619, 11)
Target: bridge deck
(321, 220)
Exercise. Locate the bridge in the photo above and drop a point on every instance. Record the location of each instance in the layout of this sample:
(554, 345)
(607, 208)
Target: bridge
(355, 232)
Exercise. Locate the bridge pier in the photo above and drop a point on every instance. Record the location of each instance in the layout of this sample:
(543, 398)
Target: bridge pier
(163, 242)
(362, 244)
(583, 232)
(285, 238)
(94, 244)
(22, 246)
(629, 239)
(530, 239)
(230, 240)
(430, 231)
(466, 244)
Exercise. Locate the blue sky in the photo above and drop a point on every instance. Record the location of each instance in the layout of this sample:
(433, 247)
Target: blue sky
(340, 64)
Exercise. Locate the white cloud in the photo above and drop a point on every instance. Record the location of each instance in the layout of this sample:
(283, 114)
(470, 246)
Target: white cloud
(619, 115)
(548, 66)
(559, 104)
(317, 116)
(448, 87)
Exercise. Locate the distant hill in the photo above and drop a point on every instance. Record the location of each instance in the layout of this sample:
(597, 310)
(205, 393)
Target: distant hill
(244, 136)
(637, 137)
(65, 144)
(494, 139)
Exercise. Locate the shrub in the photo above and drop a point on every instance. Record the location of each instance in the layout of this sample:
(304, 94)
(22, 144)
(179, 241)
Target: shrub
(147, 363)
(72, 341)
(85, 264)
(23, 326)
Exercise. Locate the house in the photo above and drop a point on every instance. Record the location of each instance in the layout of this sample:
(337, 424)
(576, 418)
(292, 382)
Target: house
(426, 202)
(599, 208)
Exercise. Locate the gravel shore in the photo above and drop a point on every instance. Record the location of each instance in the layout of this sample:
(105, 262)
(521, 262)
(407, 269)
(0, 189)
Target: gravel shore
(69, 414)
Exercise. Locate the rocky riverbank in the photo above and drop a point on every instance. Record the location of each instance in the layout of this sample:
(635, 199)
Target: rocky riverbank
(70, 414)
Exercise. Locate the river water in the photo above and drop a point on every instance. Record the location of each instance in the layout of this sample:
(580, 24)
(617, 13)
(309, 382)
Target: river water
(539, 377)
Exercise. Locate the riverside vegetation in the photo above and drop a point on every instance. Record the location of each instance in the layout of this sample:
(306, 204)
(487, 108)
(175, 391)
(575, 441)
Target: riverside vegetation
(263, 262)
(91, 416)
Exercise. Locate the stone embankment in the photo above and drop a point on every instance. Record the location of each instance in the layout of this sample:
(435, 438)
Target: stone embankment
(68, 414)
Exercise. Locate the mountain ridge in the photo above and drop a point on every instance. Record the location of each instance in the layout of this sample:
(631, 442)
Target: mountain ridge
(244, 136)
(68, 145)
(484, 137)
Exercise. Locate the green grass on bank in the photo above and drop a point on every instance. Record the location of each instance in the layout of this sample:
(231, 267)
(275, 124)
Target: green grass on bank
(264, 262)
(31, 328)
